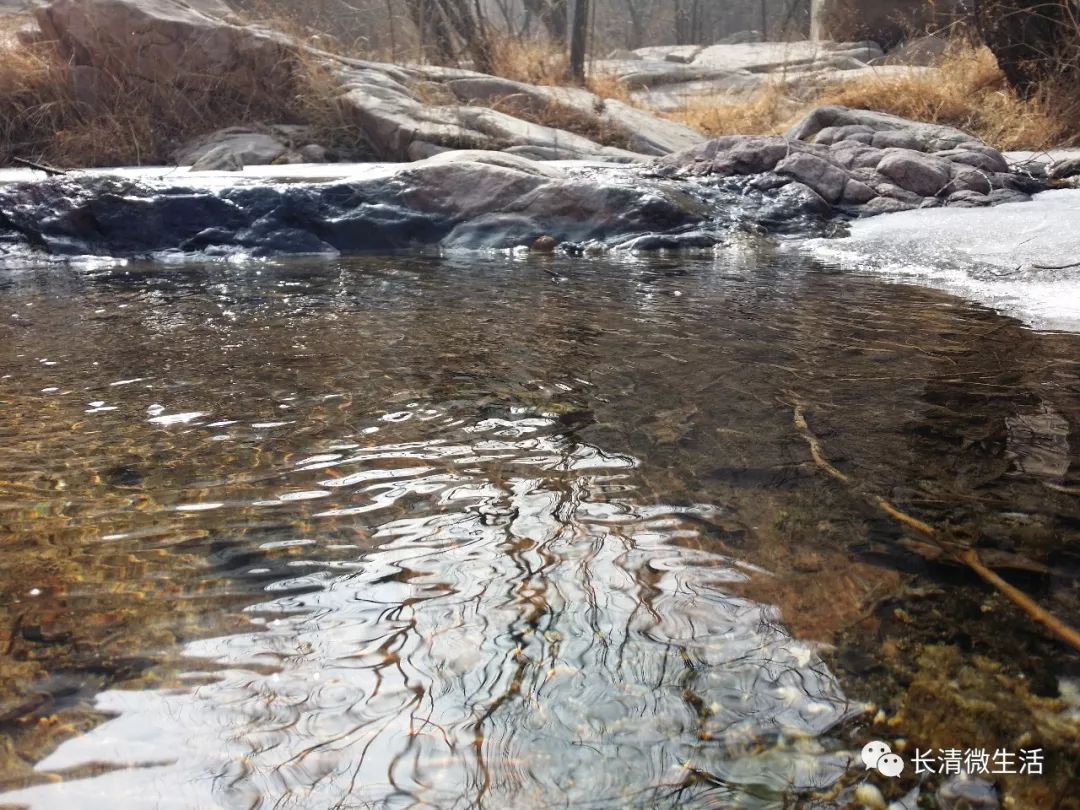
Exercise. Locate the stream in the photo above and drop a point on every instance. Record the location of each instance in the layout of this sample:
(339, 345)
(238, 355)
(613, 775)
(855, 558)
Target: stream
(522, 531)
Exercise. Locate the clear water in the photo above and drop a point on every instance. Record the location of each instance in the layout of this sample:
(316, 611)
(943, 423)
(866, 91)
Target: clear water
(490, 532)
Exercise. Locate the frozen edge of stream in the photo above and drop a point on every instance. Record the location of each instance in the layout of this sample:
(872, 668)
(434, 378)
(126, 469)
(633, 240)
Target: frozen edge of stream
(1013, 258)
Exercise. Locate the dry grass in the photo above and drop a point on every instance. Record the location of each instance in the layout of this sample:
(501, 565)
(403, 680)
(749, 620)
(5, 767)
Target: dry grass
(530, 61)
(120, 120)
(766, 112)
(968, 92)
(540, 62)
(132, 122)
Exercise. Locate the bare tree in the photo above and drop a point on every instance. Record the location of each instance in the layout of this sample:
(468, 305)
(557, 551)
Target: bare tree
(441, 24)
(436, 39)
(688, 22)
(579, 39)
(636, 33)
(553, 15)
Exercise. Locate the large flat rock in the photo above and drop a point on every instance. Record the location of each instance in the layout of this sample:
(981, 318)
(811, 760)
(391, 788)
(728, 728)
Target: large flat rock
(668, 79)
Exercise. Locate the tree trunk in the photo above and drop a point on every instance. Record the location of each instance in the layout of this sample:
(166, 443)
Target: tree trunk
(552, 15)
(637, 31)
(579, 38)
(436, 39)
(472, 30)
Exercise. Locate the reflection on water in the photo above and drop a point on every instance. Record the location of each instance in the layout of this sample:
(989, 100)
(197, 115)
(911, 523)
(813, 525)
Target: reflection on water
(528, 633)
(436, 535)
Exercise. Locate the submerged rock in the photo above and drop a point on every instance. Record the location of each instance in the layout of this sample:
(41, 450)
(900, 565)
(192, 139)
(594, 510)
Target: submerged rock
(968, 793)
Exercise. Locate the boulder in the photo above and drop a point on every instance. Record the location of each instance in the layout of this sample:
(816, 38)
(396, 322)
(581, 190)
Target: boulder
(641, 132)
(235, 147)
(461, 200)
(863, 162)
(926, 137)
(728, 155)
(1065, 168)
(765, 57)
(167, 41)
(669, 78)
(920, 174)
(827, 180)
(230, 149)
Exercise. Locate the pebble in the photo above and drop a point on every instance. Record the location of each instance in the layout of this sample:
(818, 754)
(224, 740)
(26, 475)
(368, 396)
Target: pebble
(968, 793)
(870, 797)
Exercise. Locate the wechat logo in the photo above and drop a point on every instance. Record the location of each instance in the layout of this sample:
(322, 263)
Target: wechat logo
(879, 756)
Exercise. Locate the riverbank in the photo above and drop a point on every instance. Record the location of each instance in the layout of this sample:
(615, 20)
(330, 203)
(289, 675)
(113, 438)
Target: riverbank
(81, 90)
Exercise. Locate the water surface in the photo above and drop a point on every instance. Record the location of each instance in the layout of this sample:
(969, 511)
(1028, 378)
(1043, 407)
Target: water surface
(496, 531)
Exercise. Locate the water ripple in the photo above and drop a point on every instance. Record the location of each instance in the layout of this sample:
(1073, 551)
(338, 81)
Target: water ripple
(524, 631)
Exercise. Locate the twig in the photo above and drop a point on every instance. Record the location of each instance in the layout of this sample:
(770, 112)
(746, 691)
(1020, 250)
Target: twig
(966, 556)
(49, 170)
(1055, 266)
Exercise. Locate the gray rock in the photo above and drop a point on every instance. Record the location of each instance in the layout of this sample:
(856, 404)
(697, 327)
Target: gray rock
(767, 181)
(827, 180)
(176, 43)
(764, 57)
(831, 135)
(885, 205)
(857, 193)
(989, 160)
(929, 137)
(921, 174)
(213, 151)
(218, 159)
(894, 192)
(796, 200)
(900, 139)
(1062, 169)
(679, 54)
(1007, 195)
(314, 153)
(463, 200)
(643, 132)
(842, 170)
(967, 179)
(967, 199)
(730, 155)
(968, 793)
(167, 41)
(854, 155)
